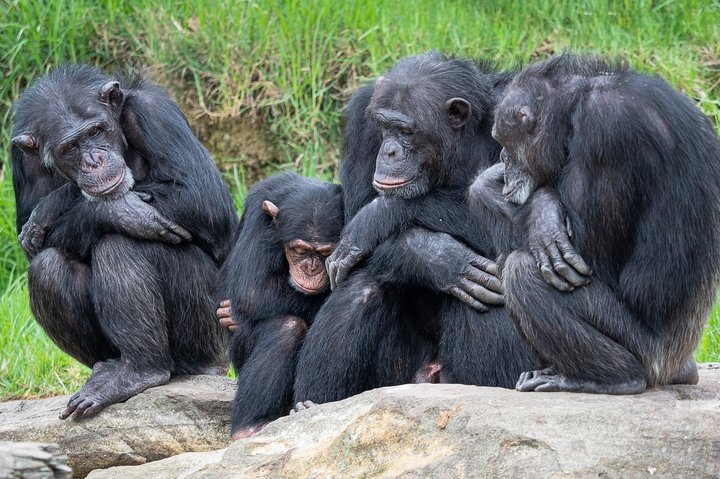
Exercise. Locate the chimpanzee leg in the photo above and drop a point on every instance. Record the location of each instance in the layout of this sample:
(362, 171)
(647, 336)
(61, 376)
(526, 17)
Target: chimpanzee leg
(483, 349)
(61, 302)
(187, 279)
(349, 348)
(127, 293)
(585, 338)
(265, 378)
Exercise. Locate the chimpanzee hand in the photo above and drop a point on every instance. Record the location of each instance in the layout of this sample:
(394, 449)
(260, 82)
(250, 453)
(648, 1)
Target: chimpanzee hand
(32, 235)
(342, 260)
(374, 223)
(456, 269)
(133, 216)
(549, 234)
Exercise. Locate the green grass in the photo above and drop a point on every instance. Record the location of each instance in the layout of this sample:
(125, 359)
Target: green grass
(290, 65)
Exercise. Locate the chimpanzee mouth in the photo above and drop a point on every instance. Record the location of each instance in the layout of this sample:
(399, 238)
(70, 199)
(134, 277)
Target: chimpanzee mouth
(392, 184)
(119, 180)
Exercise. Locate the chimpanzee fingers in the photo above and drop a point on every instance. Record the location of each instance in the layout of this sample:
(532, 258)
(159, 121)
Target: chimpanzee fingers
(484, 279)
(486, 265)
(565, 270)
(467, 299)
(482, 293)
(574, 259)
(174, 227)
(552, 278)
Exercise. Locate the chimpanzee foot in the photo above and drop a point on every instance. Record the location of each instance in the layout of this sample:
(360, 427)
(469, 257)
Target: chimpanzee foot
(430, 373)
(248, 431)
(111, 382)
(687, 374)
(545, 380)
(301, 406)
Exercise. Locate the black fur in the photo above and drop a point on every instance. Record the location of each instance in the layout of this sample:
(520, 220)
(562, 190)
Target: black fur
(392, 315)
(636, 167)
(271, 315)
(136, 310)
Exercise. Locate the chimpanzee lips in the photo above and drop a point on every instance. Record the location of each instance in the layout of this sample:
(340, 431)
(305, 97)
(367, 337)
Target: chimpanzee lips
(391, 183)
(110, 188)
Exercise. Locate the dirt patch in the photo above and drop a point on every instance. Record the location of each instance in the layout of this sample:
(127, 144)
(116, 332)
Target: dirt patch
(235, 139)
(241, 142)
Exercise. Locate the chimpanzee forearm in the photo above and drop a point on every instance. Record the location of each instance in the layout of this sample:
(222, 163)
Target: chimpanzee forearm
(45, 215)
(130, 215)
(440, 263)
(548, 238)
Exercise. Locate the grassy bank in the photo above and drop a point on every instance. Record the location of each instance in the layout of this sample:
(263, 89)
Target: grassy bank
(286, 68)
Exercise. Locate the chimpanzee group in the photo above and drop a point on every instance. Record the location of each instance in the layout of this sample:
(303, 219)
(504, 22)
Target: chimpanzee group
(548, 229)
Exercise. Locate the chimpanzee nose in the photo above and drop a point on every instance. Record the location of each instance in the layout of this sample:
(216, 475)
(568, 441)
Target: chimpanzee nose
(390, 149)
(94, 159)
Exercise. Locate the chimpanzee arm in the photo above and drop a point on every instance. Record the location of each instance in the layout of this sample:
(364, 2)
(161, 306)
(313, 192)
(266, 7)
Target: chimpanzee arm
(443, 211)
(44, 215)
(183, 179)
(129, 215)
(438, 262)
(541, 225)
(548, 238)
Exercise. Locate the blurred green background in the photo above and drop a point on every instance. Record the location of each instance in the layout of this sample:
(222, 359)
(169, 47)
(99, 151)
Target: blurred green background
(263, 84)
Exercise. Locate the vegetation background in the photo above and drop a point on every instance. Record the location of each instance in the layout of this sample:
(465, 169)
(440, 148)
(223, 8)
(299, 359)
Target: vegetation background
(263, 84)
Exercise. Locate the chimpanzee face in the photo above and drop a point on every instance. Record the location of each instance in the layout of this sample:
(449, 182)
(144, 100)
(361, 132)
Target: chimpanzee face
(514, 129)
(414, 137)
(312, 241)
(86, 144)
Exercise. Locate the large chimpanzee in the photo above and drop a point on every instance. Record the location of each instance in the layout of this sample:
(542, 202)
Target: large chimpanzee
(636, 169)
(276, 280)
(125, 220)
(418, 136)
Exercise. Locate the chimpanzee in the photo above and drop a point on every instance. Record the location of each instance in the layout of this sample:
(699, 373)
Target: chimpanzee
(635, 168)
(126, 220)
(276, 280)
(417, 136)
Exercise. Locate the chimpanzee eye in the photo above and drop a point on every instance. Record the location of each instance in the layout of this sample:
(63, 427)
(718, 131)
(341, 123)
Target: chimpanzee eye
(97, 129)
(406, 130)
(70, 147)
(298, 250)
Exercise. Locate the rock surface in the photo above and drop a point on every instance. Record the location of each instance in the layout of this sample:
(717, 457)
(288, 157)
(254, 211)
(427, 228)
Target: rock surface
(33, 460)
(187, 414)
(439, 431)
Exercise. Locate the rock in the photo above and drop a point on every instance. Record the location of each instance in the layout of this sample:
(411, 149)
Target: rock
(187, 414)
(438, 431)
(33, 460)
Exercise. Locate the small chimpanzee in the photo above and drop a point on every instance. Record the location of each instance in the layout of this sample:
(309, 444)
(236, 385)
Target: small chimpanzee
(635, 167)
(418, 136)
(276, 280)
(125, 219)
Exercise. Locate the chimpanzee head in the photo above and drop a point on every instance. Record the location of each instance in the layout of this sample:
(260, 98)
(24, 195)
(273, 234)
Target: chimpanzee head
(69, 120)
(309, 223)
(422, 109)
(533, 124)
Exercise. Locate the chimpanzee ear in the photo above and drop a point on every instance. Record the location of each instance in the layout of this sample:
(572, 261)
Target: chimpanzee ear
(111, 94)
(270, 208)
(26, 143)
(526, 116)
(458, 110)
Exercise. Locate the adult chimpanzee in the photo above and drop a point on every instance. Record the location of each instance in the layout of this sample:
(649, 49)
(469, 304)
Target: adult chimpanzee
(130, 222)
(637, 169)
(276, 280)
(419, 132)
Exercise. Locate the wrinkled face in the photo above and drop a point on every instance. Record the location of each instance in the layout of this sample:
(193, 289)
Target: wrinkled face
(514, 129)
(411, 155)
(307, 265)
(87, 145)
